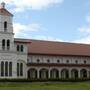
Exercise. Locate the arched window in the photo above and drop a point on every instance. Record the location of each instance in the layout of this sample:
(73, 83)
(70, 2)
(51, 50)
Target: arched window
(67, 61)
(10, 68)
(48, 60)
(17, 69)
(28, 60)
(6, 68)
(3, 44)
(21, 48)
(2, 68)
(21, 69)
(38, 60)
(17, 47)
(76, 62)
(5, 26)
(58, 61)
(8, 44)
(85, 62)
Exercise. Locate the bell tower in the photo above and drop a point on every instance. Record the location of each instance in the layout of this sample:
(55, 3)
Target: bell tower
(6, 29)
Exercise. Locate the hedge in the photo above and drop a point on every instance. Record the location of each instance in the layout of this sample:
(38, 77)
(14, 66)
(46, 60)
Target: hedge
(45, 80)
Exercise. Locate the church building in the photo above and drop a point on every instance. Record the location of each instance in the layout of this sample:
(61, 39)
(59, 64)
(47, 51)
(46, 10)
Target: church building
(38, 59)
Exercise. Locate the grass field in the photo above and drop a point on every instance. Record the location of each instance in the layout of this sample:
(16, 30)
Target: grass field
(45, 86)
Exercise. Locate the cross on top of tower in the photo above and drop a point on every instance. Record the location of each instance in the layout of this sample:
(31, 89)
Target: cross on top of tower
(3, 5)
(3, 10)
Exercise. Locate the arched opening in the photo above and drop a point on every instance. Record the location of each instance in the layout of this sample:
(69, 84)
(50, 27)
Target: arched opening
(10, 68)
(22, 48)
(74, 73)
(18, 47)
(5, 26)
(54, 73)
(58, 61)
(83, 73)
(43, 74)
(21, 69)
(3, 44)
(76, 62)
(65, 74)
(48, 61)
(38, 60)
(6, 68)
(85, 61)
(89, 73)
(2, 68)
(8, 44)
(18, 69)
(32, 73)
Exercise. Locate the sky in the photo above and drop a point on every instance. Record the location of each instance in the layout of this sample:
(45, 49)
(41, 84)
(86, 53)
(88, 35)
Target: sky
(54, 20)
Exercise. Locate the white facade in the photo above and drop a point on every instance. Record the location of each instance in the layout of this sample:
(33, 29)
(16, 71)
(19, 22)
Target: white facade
(15, 62)
(8, 50)
(64, 64)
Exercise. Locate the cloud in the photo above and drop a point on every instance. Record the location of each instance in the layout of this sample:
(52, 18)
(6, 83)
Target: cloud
(48, 38)
(85, 40)
(84, 29)
(88, 18)
(84, 35)
(22, 30)
(21, 5)
(84, 32)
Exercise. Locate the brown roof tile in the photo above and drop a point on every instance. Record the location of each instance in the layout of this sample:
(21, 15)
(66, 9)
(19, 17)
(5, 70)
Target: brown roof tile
(18, 40)
(3, 11)
(58, 48)
(40, 47)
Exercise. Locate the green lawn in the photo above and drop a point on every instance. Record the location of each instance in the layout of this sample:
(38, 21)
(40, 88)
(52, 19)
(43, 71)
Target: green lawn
(45, 86)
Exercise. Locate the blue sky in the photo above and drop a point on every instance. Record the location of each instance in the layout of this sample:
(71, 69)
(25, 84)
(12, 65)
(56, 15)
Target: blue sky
(58, 20)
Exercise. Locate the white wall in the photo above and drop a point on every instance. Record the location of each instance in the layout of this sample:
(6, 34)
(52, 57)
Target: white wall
(63, 59)
(4, 18)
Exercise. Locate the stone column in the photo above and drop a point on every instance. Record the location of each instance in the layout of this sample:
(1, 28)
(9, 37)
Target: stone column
(79, 76)
(87, 74)
(70, 74)
(38, 74)
(60, 73)
(49, 73)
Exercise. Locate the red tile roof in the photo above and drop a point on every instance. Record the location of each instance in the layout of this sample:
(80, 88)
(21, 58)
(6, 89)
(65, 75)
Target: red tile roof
(40, 47)
(3, 11)
(18, 40)
(58, 48)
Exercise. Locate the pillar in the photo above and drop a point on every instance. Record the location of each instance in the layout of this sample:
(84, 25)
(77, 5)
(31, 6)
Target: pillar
(70, 76)
(79, 76)
(59, 73)
(38, 74)
(87, 74)
(49, 74)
